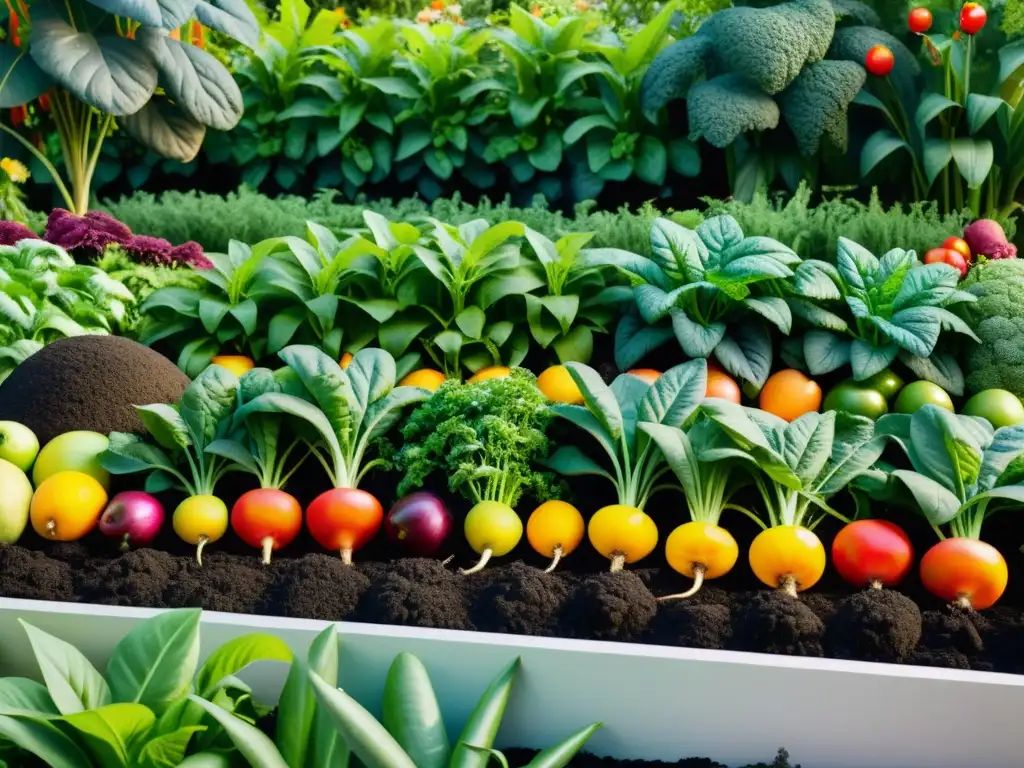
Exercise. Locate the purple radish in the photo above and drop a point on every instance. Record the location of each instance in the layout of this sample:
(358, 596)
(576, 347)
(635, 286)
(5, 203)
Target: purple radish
(134, 517)
(420, 523)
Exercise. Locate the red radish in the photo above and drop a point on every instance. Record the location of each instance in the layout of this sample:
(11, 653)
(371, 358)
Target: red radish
(344, 519)
(873, 553)
(420, 523)
(967, 572)
(133, 517)
(267, 518)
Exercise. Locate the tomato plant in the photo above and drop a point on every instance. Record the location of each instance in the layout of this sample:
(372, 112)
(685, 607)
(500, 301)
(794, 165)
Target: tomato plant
(919, 20)
(972, 18)
(879, 61)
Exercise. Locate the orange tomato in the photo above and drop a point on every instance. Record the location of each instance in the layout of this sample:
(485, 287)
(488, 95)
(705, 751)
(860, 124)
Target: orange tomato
(787, 556)
(647, 374)
(558, 385)
(344, 519)
(491, 372)
(345, 360)
(969, 572)
(789, 394)
(237, 364)
(66, 506)
(427, 378)
(267, 518)
(959, 245)
(722, 385)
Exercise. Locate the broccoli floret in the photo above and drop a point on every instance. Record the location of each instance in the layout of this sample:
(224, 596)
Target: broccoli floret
(817, 102)
(998, 319)
(723, 108)
(672, 73)
(769, 46)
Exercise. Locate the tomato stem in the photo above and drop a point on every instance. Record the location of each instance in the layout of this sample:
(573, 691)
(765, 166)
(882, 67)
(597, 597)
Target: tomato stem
(698, 582)
(618, 560)
(556, 557)
(346, 556)
(788, 585)
(485, 557)
(268, 546)
(199, 549)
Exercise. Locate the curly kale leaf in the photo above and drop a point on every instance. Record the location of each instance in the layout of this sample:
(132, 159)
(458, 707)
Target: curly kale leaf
(853, 44)
(856, 11)
(770, 46)
(484, 436)
(674, 70)
(725, 107)
(997, 317)
(817, 102)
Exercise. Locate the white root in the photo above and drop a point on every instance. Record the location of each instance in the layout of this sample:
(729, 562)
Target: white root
(485, 557)
(698, 582)
(199, 549)
(556, 558)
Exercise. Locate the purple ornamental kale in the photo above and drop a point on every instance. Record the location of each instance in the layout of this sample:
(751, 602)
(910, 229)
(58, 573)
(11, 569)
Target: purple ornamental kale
(12, 231)
(87, 235)
(191, 254)
(154, 251)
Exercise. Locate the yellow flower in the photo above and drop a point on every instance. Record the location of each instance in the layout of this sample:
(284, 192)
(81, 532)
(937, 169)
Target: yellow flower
(15, 169)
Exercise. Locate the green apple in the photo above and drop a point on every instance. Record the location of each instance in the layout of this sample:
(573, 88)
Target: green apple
(18, 444)
(14, 502)
(73, 451)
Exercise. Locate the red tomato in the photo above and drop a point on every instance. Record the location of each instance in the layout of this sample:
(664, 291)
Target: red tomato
(955, 259)
(344, 519)
(967, 571)
(267, 518)
(972, 18)
(959, 245)
(870, 551)
(919, 20)
(879, 61)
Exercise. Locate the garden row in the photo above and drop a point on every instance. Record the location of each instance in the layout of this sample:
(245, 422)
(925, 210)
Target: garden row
(155, 705)
(559, 105)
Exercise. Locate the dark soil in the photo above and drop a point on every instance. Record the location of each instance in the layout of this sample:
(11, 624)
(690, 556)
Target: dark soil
(523, 756)
(88, 382)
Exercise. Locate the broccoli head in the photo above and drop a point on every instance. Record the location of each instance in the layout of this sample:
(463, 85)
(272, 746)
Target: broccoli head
(725, 107)
(997, 317)
(817, 102)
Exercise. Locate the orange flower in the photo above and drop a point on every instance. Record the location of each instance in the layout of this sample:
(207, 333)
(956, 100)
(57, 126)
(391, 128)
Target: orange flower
(536, 11)
(437, 5)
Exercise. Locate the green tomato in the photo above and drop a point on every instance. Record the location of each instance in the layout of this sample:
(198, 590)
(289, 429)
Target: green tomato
(851, 397)
(997, 406)
(18, 444)
(77, 451)
(885, 382)
(921, 393)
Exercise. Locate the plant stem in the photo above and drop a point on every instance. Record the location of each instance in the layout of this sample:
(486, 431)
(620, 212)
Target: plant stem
(54, 173)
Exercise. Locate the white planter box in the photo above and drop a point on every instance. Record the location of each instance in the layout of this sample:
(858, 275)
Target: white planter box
(656, 702)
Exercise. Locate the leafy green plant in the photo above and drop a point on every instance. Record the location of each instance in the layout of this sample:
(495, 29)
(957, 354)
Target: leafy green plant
(182, 433)
(616, 417)
(620, 143)
(411, 732)
(897, 308)
(150, 709)
(484, 436)
(703, 282)
(45, 296)
(125, 51)
(962, 472)
(799, 464)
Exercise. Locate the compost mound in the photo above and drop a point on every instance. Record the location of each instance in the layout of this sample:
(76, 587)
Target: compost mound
(88, 382)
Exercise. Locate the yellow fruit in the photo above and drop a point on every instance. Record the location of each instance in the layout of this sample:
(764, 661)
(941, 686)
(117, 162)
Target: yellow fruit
(491, 528)
(67, 505)
(493, 372)
(555, 529)
(557, 385)
(701, 544)
(623, 534)
(200, 520)
(77, 451)
(237, 364)
(788, 556)
(427, 378)
(15, 502)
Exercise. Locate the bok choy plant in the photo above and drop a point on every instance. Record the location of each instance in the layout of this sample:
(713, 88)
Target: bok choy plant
(615, 417)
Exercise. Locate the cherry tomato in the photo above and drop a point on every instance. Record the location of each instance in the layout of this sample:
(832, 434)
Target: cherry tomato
(919, 20)
(972, 18)
(879, 61)
(967, 571)
(959, 245)
(955, 259)
(867, 552)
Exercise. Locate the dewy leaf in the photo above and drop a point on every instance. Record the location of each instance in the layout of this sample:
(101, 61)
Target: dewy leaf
(675, 395)
(154, 663)
(112, 74)
(165, 129)
(232, 17)
(195, 80)
(72, 681)
(112, 732)
(162, 14)
(235, 655)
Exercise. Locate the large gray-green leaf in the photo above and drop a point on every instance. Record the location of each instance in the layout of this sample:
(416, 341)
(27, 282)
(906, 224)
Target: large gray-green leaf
(195, 80)
(232, 17)
(946, 448)
(599, 397)
(675, 395)
(936, 503)
(808, 445)
(162, 14)
(113, 74)
(23, 80)
(164, 128)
